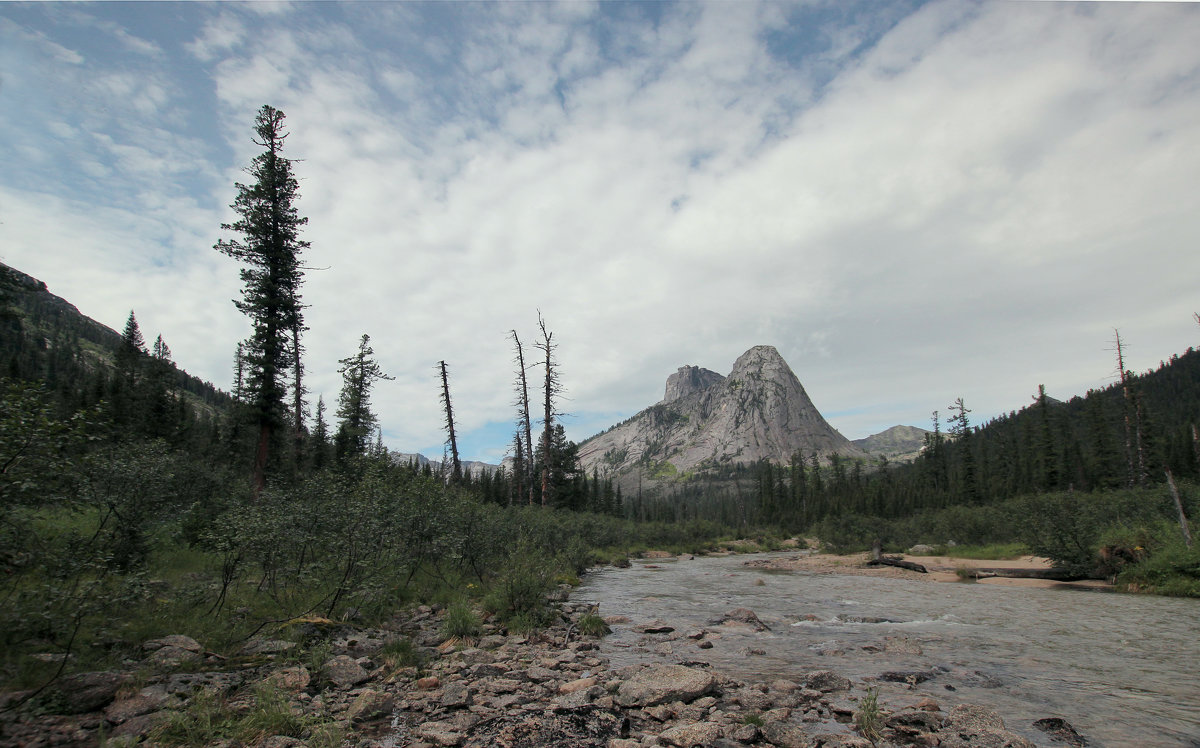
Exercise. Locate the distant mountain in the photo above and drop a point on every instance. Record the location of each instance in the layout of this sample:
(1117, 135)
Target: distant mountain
(472, 468)
(759, 411)
(898, 444)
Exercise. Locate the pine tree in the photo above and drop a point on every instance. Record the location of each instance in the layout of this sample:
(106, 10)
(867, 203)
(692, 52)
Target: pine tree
(451, 439)
(269, 246)
(131, 353)
(356, 421)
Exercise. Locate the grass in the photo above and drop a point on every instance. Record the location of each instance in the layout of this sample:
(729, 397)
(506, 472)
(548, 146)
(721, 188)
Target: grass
(868, 720)
(990, 552)
(753, 719)
(593, 625)
(210, 718)
(401, 652)
(460, 622)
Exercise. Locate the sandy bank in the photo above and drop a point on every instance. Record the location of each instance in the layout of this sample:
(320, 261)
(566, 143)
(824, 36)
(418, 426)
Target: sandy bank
(940, 568)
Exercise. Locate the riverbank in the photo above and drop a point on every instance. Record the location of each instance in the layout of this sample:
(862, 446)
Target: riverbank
(343, 685)
(938, 568)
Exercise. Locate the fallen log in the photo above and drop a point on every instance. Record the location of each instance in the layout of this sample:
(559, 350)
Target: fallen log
(1057, 575)
(898, 562)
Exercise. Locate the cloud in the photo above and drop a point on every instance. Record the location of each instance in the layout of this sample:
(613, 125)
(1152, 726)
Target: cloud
(913, 205)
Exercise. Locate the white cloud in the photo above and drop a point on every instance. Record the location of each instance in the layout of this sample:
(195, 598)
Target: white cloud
(967, 207)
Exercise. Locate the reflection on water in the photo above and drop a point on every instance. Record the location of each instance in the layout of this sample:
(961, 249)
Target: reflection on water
(1121, 668)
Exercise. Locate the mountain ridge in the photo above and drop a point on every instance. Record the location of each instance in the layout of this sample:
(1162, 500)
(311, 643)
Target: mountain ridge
(759, 411)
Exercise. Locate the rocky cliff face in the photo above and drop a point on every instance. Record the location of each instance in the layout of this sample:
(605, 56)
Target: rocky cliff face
(689, 380)
(760, 411)
(899, 443)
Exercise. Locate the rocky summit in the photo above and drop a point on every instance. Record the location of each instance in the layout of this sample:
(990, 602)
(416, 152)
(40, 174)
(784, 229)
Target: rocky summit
(759, 411)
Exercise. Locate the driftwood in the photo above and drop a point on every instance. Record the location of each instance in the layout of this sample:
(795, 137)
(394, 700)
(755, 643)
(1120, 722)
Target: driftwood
(1058, 575)
(897, 561)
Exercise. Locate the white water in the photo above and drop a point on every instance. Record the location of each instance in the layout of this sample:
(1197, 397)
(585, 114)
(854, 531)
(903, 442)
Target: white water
(1124, 670)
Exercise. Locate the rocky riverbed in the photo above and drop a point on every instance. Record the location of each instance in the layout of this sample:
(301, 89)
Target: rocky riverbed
(503, 689)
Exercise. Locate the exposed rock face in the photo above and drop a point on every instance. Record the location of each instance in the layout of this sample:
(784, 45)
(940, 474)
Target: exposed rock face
(689, 380)
(760, 411)
(896, 443)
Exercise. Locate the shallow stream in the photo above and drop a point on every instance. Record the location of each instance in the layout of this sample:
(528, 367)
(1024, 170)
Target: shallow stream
(1124, 670)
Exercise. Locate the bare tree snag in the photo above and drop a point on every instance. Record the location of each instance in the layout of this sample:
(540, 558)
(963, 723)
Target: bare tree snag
(552, 388)
(526, 424)
(1183, 520)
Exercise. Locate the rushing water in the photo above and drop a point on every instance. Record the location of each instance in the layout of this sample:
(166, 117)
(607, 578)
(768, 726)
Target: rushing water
(1124, 670)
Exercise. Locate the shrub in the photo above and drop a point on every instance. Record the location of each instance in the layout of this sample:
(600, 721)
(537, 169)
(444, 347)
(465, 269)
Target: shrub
(460, 622)
(591, 624)
(868, 720)
(398, 653)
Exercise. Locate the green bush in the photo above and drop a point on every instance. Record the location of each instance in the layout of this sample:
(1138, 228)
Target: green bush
(519, 591)
(591, 624)
(460, 622)
(1173, 570)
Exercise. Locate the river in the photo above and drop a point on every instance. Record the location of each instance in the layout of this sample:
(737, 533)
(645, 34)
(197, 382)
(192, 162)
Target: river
(1124, 670)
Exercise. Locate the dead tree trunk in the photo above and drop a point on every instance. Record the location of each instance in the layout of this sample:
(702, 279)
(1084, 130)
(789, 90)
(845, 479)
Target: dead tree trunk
(526, 424)
(1183, 520)
(550, 390)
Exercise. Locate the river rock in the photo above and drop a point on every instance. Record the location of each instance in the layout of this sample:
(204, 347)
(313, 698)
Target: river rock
(747, 616)
(258, 646)
(456, 695)
(665, 683)
(912, 677)
(371, 705)
(826, 681)
(654, 627)
(146, 701)
(1060, 730)
(972, 726)
(440, 733)
(179, 641)
(343, 672)
(686, 736)
(784, 735)
(87, 692)
(290, 678)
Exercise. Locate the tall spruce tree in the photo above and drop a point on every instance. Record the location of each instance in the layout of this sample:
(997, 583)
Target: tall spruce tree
(269, 246)
(356, 421)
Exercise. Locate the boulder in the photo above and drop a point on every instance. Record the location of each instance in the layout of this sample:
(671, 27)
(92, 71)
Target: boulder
(343, 672)
(654, 627)
(686, 736)
(291, 678)
(87, 692)
(456, 695)
(371, 705)
(663, 684)
(971, 726)
(783, 735)
(826, 681)
(171, 657)
(1060, 730)
(179, 641)
(147, 701)
(746, 616)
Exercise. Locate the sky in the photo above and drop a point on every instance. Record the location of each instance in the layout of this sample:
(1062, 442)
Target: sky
(914, 202)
